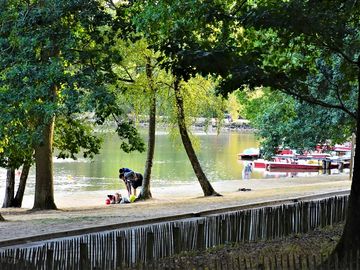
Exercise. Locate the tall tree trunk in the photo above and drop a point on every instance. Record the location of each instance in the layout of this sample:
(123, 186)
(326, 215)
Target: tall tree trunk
(145, 190)
(204, 182)
(44, 179)
(9, 188)
(350, 239)
(44, 188)
(17, 202)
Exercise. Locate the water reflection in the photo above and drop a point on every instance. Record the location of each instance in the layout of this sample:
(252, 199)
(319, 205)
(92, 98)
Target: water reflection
(217, 155)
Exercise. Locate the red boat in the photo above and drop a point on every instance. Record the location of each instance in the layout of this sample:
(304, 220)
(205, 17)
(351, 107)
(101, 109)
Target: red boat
(293, 166)
(296, 165)
(286, 164)
(260, 163)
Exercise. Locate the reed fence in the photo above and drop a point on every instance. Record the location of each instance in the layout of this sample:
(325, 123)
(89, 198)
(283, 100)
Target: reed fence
(143, 246)
(290, 261)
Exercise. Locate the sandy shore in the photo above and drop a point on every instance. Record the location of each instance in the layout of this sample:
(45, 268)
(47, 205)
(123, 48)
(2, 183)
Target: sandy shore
(85, 210)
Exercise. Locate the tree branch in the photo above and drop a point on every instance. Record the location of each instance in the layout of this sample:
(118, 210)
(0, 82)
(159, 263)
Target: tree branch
(338, 95)
(127, 72)
(111, 4)
(341, 53)
(316, 101)
(238, 8)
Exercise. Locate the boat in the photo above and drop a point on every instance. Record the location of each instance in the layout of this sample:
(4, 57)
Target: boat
(292, 154)
(341, 148)
(249, 153)
(306, 164)
(260, 163)
(288, 163)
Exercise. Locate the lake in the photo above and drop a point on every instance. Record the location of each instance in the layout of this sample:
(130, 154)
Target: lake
(217, 155)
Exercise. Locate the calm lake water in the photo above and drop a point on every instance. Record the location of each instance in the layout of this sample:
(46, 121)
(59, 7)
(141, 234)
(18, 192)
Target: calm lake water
(217, 155)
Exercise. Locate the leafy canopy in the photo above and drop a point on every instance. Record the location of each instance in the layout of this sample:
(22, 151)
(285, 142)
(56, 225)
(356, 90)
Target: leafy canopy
(56, 59)
(307, 49)
(276, 116)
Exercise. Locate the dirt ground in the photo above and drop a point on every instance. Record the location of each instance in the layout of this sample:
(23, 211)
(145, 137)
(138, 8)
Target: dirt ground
(87, 210)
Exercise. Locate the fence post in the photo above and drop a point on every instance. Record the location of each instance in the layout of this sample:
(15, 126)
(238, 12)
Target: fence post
(336, 261)
(176, 240)
(119, 257)
(49, 259)
(294, 261)
(288, 261)
(84, 260)
(223, 231)
(149, 246)
(351, 259)
(200, 240)
(234, 228)
(314, 263)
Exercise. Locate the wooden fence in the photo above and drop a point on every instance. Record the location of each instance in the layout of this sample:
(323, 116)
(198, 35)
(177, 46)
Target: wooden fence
(144, 245)
(289, 261)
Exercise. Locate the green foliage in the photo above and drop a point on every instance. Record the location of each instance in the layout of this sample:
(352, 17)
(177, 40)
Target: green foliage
(276, 116)
(199, 93)
(126, 130)
(56, 59)
(310, 52)
(176, 34)
(307, 49)
(183, 35)
(72, 135)
(233, 106)
(200, 100)
(137, 87)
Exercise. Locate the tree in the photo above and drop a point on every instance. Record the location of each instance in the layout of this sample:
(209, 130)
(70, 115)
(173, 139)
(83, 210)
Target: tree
(11, 199)
(322, 48)
(17, 201)
(15, 149)
(282, 120)
(233, 106)
(9, 188)
(143, 88)
(208, 190)
(150, 88)
(154, 22)
(145, 191)
(307, 49)
(56, 62)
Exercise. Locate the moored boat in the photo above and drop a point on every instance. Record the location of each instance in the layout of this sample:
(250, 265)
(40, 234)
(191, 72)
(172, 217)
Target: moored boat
(249, 153)
(293, 165)
(289, 164)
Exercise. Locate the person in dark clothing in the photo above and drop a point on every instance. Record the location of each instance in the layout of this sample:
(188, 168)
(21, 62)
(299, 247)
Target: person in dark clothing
(125, 170)
(131, 179)
(136, 182)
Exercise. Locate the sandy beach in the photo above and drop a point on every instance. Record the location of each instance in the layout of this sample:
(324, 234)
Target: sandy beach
(88, 209)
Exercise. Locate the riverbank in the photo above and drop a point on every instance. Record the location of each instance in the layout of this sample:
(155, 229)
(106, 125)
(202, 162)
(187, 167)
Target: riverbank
(88, 209)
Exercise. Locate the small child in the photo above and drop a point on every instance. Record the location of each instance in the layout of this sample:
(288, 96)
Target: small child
(114, 199)
(117, 198)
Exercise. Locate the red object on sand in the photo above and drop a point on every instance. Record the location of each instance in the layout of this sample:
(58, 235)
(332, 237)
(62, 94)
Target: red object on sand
(107, 201)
